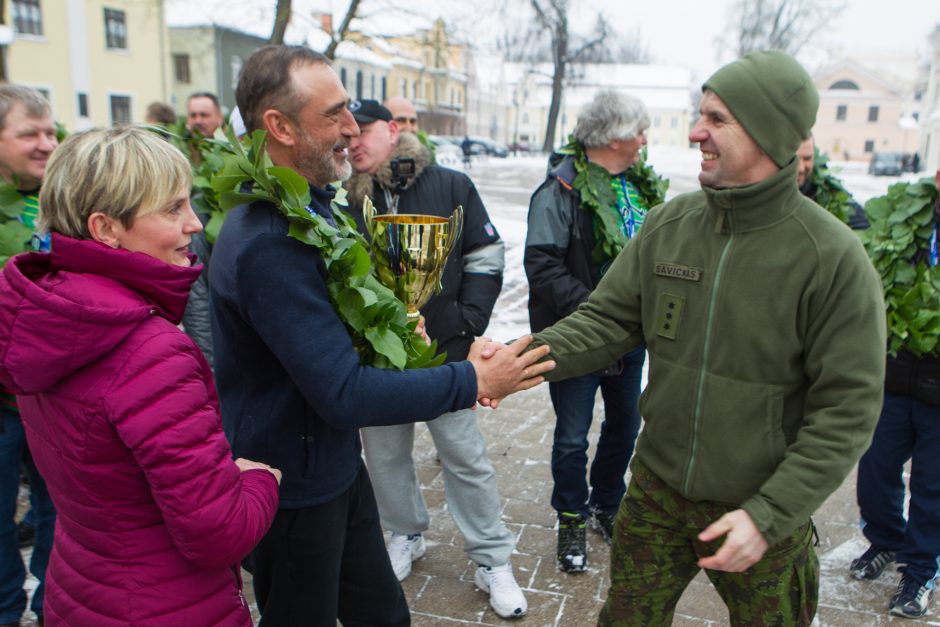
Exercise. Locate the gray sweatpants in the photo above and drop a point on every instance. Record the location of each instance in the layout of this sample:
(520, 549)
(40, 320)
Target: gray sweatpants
(469, 484)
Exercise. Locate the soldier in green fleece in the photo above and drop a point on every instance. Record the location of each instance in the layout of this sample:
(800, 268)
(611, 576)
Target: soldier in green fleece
(765, 328)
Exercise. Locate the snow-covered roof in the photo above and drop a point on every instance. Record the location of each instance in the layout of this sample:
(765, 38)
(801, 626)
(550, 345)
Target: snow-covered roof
(389, 22)
(253, 18)
(640, 76)
(386, 47)
(352, 51)
(658, 86)
(830, 72)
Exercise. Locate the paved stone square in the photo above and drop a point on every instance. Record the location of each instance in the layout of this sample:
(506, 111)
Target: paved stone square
(441, 592)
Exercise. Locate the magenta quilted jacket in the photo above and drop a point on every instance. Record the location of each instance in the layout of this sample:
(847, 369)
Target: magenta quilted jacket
(122, 418)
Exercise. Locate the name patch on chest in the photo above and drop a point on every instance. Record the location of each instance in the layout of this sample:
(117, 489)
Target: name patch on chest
(676, 271)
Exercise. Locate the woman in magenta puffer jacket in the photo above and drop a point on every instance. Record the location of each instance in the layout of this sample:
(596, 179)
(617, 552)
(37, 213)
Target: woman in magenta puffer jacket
(118, 404)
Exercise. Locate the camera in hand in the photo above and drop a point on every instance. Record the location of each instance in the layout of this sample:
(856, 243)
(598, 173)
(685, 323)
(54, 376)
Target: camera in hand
(403, 170)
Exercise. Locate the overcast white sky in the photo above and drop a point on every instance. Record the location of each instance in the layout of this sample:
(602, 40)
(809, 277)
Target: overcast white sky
(676, 32)
(683, 31)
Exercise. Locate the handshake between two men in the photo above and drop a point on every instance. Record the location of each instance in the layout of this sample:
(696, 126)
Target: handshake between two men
(505, 369)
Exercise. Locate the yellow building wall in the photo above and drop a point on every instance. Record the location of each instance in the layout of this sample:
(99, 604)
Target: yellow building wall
(199, 44)
(847, 138)
(426, 51)
(42, 61)
(140, 71)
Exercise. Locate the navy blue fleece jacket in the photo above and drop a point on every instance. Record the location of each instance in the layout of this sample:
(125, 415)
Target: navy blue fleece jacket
(292, 390)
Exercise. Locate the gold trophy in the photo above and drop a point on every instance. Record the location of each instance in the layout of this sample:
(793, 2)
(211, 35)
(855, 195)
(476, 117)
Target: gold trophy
(409, 252)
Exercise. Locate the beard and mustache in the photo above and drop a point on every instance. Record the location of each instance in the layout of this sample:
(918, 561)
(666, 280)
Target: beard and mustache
(316, 159)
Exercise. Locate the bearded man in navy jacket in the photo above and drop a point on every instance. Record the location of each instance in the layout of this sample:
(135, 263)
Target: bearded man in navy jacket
(292, 389)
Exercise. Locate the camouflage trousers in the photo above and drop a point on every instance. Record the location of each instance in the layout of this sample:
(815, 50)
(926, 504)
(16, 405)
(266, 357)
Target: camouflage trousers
(655, 553)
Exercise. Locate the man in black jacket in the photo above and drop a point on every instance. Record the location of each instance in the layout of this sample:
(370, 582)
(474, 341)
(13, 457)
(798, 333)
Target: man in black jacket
(806, 163)
(471, 282)
(564, 260)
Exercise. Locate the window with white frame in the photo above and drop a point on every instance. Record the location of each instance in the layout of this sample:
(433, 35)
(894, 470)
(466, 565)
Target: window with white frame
(181, 68)
(120, 110)
(27, 17)
(115, 29)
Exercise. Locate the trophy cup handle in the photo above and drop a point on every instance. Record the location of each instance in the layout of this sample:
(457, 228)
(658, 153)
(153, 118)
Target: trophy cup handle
(456, 228)
(368, 214)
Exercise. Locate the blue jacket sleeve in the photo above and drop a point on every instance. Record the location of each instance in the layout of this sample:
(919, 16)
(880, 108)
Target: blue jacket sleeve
(283, 293)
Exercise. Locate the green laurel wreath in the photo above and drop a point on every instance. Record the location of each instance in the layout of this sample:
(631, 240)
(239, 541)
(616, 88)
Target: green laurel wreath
(830, 193)
(374, 317)
(14, 235)
(902, 225)
(592, 182)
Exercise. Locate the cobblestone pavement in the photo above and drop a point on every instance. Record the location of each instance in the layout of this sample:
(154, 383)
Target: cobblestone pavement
(441, 592)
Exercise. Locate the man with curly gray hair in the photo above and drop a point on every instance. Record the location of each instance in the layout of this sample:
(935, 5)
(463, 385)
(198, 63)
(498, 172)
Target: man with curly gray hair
(579, 218)
(611, 116)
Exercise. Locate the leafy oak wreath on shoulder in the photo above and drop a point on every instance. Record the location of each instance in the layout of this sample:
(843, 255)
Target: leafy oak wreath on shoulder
(831, 195)
(592, 182)
(902, 226)
(374, 317)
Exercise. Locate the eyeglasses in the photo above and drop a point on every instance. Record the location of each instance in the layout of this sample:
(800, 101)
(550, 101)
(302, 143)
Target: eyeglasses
(403, 120)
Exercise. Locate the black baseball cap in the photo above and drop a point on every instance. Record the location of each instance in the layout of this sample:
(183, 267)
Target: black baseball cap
(369, 111)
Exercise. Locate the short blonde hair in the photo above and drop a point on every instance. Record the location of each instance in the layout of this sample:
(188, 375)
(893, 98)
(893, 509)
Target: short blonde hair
(122, 172)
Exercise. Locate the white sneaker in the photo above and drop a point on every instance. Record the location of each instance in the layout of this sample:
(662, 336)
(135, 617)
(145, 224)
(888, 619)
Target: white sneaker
(403, 550)
(506, 597)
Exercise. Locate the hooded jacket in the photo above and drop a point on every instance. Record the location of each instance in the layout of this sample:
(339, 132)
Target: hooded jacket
(473, 275)
(559, 247)
(765, 327)
(122, 420)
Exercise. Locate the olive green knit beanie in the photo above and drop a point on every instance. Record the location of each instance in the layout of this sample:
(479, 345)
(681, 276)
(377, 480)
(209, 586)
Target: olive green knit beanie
(772, 97)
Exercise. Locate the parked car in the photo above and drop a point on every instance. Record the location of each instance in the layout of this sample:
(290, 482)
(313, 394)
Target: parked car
(445, 151)
(479, 145)
(490, 147)
(886, 164)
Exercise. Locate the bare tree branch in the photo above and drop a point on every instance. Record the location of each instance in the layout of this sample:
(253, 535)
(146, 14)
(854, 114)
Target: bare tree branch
(340, 34)
(549, 38)
(594, 45)
(788, 25)
(281, 19)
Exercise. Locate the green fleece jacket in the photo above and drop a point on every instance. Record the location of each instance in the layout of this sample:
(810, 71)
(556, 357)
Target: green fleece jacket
(765, 327)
